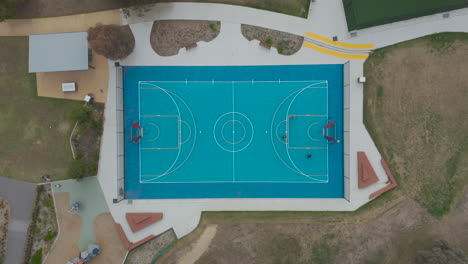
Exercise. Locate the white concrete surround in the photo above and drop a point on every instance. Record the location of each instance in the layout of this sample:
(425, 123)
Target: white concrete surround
(326, 18)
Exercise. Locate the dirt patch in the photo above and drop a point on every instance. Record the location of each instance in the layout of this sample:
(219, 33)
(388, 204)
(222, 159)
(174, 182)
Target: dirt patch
(385, 239)
(65, 247)
(108, 238)
(169, 36)
(4, 219)
(199, 248)
(285, 43)
(147, 252)
(45, 227)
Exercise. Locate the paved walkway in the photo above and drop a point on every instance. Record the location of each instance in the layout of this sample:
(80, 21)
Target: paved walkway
(88, 192)
(75, 23)
(21, 196)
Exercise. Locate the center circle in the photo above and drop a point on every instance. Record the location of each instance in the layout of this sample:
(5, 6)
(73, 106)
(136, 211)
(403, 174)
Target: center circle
(233, 131)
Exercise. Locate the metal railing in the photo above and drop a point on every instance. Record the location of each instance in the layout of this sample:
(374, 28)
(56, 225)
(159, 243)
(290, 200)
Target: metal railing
(119, 107)
(346, 106)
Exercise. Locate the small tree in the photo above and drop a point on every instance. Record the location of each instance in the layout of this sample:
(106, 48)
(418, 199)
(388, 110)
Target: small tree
(82, 113)
(8, 8)
(111, 41)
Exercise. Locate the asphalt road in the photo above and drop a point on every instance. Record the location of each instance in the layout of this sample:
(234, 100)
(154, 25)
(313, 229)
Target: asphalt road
(21, 196)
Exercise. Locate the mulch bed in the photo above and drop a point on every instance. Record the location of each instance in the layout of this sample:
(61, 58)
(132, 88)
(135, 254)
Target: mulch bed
(285, 43)
(169, 36)
(4, 219)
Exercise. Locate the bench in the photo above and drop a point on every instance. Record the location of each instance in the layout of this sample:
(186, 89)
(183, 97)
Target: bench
(68, 87)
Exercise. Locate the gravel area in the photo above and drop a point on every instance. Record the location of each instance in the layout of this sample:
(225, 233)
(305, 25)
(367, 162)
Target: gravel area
(4, 218)
(148, 251)
(45, 230)
(169, 36)
(285, 43)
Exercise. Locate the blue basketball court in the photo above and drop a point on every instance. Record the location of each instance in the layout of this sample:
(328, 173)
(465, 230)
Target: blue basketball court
(234, 132)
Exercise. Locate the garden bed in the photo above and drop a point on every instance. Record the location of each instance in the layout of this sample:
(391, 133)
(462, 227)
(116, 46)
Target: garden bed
(152, 249)
(86, 140)
(169, 36)
(4, 219)
(285, 43)
(43, 228)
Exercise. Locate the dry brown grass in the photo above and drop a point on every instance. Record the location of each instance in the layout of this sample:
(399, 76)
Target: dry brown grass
(415, 104)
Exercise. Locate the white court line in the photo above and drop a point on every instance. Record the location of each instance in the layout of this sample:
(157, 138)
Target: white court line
(314, 181)
(178, 111)
(272, 137)
(328, 161)
(139, 145)
(287, 128)
(316, 82)
(251, 81)
(233, 137)
(194, 138)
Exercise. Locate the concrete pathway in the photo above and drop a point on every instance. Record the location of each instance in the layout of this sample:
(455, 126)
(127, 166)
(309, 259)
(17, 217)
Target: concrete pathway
(88, 192)
(21, 196)
(326, 18)
(74, 23)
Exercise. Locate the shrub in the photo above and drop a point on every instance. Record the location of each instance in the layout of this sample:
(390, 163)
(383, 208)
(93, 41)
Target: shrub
(213, 27)
(50, 235)
(37, 257)
(83, 114)
(48, 203)
(8, 8)
(280, 48)
(97, 126)
(111, 41)
(79, 169)
(79, 156)
(269, 41)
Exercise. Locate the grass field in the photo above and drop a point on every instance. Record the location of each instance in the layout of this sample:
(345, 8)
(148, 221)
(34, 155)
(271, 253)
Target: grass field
(34, 131)
(415, 110)
(51, 8)
(368, 13)
(415, 107)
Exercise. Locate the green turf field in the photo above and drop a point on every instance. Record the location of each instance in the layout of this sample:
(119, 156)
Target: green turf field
(368, 13)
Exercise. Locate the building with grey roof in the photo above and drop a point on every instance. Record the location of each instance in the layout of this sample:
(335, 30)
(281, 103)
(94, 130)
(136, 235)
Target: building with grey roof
(58, 52)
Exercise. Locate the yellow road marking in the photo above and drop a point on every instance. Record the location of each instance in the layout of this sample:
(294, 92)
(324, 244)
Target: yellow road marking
(338, 43)
(334, 53)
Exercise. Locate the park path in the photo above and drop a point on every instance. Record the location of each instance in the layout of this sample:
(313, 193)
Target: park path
(21, 196)
(74, 23)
